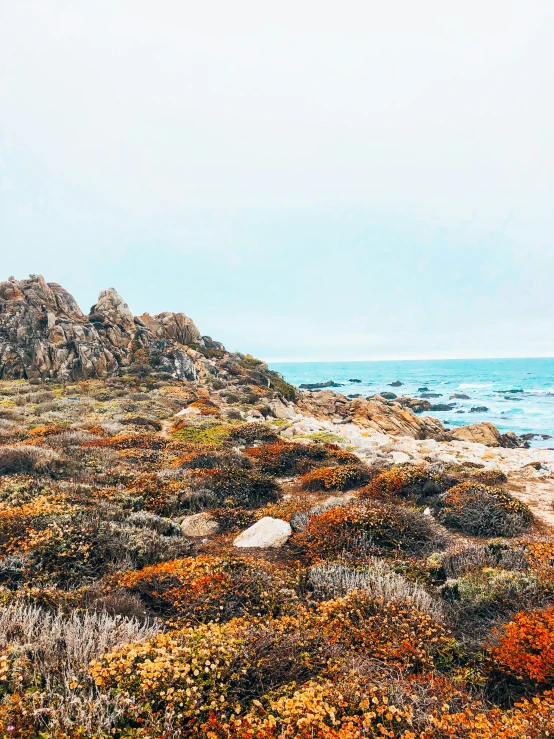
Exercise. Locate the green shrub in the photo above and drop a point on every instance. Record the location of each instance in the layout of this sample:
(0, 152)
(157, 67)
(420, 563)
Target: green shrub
(235, 488)
(484, 511)
(249, 433)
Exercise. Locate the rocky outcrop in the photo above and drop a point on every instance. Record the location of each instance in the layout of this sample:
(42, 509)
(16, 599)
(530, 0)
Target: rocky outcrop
(481, 433)
(173, 327)
(372, 413)
(45, 335)
(418, 405)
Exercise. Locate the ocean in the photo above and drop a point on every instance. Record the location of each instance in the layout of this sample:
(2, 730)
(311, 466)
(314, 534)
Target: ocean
(487, 382)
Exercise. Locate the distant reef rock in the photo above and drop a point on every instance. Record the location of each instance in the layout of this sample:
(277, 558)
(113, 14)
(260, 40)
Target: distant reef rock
(319, 385)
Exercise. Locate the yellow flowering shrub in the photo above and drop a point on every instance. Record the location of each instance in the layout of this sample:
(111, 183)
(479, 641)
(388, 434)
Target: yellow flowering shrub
(321, 710)
(180, 676)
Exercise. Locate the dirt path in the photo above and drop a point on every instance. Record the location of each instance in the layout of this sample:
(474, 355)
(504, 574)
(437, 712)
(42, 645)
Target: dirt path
(537, 494)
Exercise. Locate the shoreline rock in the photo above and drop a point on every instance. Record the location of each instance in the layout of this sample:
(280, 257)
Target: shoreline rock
(319, 385)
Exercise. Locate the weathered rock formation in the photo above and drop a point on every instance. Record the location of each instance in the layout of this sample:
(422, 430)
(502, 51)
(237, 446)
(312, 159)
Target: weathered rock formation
(45, 335)
(487, 434)
(482, 433)
(397, 418)
(375, 413)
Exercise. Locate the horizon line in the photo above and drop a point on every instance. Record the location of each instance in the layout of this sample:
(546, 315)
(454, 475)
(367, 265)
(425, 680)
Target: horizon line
(405, 359)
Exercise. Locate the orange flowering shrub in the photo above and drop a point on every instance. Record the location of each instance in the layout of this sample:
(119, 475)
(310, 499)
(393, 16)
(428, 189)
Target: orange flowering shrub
(18, 522)
(481, 510)
(17, 711)
(540, 557)
(365, 526)
(526, 646)
(281, 457)
(320, 709)
(209, 588)
(285, 457)
(407, 482)
(40, 432)
(97, 430)
(527, 720)
(341, 477)
(160, 495)
(206, 407)
(394, 632)
(129, 441)
(208, 456)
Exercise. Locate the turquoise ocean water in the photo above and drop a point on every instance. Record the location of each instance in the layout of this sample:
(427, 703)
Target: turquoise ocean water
(487, 382)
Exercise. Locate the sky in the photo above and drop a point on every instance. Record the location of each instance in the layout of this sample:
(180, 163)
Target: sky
(307, 180)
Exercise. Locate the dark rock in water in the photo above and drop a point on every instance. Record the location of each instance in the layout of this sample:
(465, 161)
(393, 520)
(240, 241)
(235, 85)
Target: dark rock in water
(460, 411)
(396, 383)
(442, 407)
(418, 405)
(507, 397)
(530, 437)
(502, 392)
(509, 440)
(431, 395)
(353, 379)
(319, 385)
(354, 395)
(459, 396)
(388, 396)
(479, 409)
(423, 389)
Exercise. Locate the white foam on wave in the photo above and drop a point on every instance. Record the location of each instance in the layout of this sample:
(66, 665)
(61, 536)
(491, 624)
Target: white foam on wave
(467, 385)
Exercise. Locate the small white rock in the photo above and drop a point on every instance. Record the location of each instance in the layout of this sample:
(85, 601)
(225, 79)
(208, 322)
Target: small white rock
(265, 533)
(400, 457)
(427, 511)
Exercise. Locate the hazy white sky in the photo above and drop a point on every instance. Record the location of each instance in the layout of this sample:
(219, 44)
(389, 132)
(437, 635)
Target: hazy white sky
(305, 179)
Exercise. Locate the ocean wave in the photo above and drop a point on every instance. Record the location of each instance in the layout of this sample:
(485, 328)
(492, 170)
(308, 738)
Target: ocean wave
(467, 385)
